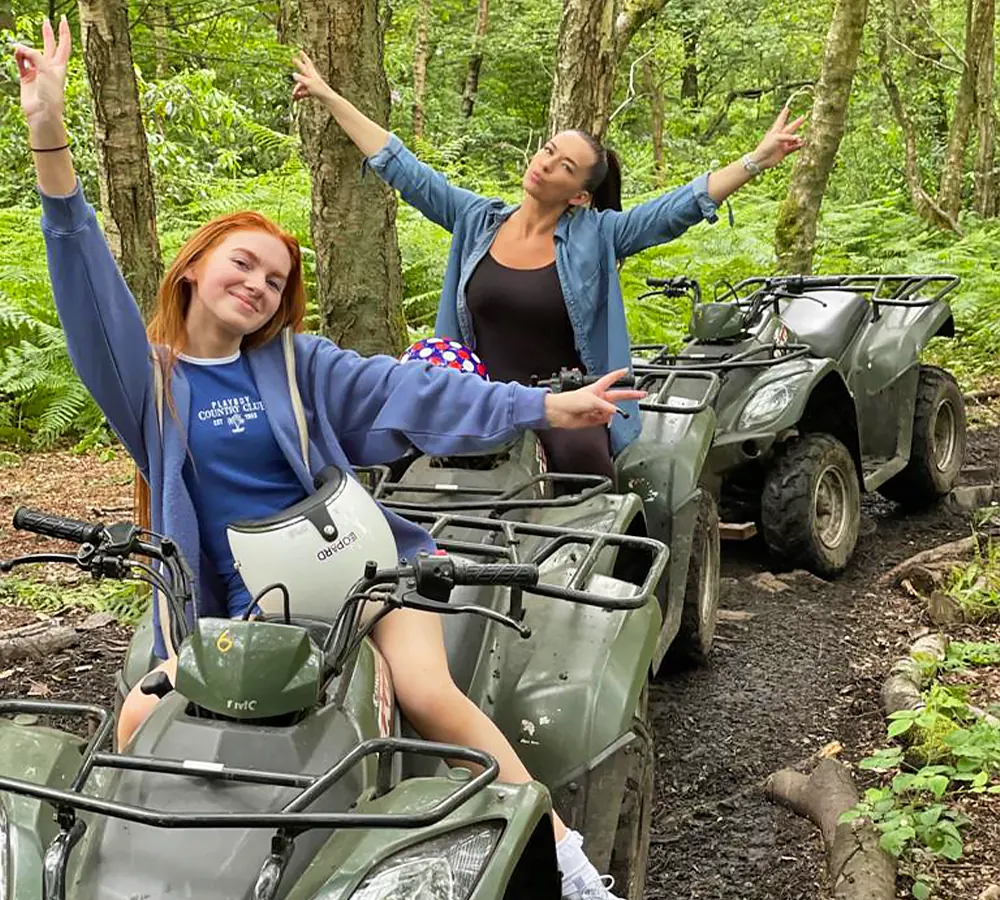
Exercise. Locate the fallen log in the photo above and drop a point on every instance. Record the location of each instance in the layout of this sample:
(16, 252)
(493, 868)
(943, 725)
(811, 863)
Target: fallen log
(859, 869)
(36, 640)
(952, 552)
(903, 689)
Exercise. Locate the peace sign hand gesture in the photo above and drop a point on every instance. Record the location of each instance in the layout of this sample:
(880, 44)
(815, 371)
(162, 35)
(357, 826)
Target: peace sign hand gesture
(591, 405)
(780, 141)
(43, 76)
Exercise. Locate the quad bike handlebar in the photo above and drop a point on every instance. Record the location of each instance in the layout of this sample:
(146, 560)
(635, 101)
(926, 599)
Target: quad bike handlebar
(574, 379)
(59, 527)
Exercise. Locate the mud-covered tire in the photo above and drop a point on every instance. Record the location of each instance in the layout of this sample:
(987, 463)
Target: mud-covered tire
(630, 855)
(937, 450)
(811, 505)
(693, 643)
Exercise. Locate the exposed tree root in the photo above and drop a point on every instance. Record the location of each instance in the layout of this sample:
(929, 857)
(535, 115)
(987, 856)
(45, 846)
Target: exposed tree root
(858, 868)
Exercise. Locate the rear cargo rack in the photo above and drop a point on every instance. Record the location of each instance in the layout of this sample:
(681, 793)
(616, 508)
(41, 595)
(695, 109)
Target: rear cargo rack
(881, 290)
(290, 821)
(660, 381)
(493, 500)
(503, 542)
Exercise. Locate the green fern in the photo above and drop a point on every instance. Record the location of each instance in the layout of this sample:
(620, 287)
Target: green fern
(42, 401)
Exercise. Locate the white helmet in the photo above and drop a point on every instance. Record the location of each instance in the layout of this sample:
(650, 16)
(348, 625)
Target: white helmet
(317, 548)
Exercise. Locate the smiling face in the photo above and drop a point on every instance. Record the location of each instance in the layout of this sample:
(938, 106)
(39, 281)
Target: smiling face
(558, 172)
(238, 283)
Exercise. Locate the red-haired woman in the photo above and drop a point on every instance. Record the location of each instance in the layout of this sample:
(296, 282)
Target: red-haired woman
(226, 447)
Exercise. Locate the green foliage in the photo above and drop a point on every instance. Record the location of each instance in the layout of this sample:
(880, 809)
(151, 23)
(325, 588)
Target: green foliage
(975, 587)
(916, 809)
(124, 600)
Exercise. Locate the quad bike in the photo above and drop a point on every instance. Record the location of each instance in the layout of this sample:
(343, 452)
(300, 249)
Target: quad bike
(823, 396)
(278, 766)
(663, 499)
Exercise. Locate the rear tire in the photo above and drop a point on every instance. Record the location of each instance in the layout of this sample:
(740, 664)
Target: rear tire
(630, 855)
(937, 450)
(811, 505)
(693, 643)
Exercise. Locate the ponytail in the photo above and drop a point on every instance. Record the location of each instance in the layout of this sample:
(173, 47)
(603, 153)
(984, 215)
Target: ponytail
(608, 194)
(605, 179)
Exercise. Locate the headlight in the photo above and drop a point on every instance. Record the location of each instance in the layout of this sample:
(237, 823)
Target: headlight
(767, 404)
(445, 868)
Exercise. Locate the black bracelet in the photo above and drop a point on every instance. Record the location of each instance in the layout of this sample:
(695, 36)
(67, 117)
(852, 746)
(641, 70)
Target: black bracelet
(49, 149)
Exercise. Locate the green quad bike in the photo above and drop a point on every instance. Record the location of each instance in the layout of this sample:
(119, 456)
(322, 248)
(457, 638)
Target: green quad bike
(278, 765)
(823, 396)
(664, 500)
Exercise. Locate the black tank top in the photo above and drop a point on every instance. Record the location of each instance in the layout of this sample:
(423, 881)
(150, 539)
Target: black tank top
(522, 329)
(520, 321)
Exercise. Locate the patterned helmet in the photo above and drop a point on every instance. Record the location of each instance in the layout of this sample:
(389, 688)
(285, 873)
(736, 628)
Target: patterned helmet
(446, 353)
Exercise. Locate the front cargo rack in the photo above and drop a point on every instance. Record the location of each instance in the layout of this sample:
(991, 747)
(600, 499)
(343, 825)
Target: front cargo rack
(290, 821)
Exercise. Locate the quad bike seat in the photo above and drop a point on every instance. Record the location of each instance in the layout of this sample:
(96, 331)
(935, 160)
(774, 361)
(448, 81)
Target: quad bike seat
(826, 320)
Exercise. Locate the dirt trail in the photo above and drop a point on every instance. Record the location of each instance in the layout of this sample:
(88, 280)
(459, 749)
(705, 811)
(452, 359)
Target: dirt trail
(803, 671)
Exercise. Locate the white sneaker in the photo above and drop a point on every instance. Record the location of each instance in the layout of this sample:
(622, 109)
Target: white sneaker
(582, 888)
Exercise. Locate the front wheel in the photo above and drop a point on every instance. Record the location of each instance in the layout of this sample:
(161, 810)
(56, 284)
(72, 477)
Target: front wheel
(811, 505)
(700, 612)
(937, 450)
(631, 849)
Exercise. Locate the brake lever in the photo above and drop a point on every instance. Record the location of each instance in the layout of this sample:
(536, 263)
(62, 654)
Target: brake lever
(412, 600)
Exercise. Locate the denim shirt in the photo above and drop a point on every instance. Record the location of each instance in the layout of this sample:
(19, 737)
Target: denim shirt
(589, 244)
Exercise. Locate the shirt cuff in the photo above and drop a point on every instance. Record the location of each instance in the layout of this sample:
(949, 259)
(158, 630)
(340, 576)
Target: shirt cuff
(706, 204)
(65, 213)
(529, 408)
(380, 158)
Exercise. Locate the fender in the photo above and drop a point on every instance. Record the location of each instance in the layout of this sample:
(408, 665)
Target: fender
(44, 756)
(665, 467)
(520, 813)
(570, 691)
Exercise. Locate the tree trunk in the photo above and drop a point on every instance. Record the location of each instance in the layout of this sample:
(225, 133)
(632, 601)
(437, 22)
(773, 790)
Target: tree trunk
(657, 115)
(593, 35)
(984, 197)
(7, 17)
(476, 60)
(795, 233)
(689, 74)
(420, 67)
(979, 23)
(358, 269)
(161, 38)
(126, 180)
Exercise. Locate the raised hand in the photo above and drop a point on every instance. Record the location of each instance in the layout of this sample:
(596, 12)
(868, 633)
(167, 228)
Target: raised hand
(780, 140)
(308, 81)
(591, 405)
(43, 76)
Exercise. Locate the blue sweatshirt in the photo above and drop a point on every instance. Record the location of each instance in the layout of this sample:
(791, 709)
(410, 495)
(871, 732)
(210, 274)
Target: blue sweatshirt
(360, 411)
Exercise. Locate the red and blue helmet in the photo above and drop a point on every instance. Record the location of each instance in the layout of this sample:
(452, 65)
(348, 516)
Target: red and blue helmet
(444, 352)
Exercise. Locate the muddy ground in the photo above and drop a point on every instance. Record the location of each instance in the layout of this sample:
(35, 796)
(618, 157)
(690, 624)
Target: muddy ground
(802, 670)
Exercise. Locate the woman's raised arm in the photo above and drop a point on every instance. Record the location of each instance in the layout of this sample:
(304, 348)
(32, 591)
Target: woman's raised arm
(424, 188)
(105, 334)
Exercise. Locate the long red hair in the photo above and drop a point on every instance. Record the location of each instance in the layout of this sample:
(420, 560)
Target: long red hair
(173, 299)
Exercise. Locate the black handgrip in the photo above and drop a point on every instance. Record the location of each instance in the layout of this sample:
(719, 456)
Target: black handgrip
(60, 527)
(507, 574)
(574, 379)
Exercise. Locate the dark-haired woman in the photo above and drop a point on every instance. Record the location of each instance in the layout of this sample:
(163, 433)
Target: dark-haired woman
(534, 287)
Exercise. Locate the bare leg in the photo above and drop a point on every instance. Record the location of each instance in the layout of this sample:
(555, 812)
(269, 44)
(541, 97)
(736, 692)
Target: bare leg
(138, 706)
(412, 643)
